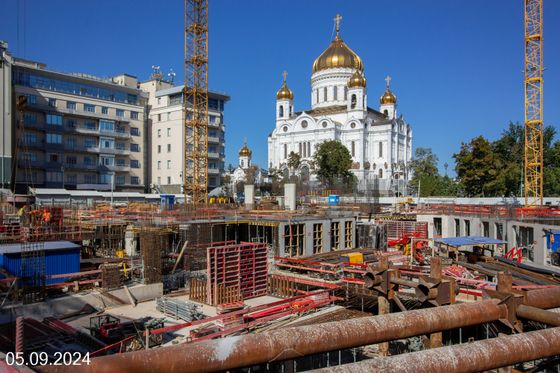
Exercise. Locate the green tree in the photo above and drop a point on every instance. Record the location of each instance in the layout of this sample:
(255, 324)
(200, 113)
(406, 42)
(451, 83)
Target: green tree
(332, 162)
(423, 166)
(476, 167)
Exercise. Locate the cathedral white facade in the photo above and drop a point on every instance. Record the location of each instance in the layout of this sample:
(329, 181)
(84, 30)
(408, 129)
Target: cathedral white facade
(379, 141)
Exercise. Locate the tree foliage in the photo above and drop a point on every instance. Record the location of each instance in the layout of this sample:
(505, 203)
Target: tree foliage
(426, 176)
(332, 162)
(495, 169)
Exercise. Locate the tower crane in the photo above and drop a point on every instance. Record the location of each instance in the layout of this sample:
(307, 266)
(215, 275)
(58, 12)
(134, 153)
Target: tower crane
(533, 103)
(195, 103)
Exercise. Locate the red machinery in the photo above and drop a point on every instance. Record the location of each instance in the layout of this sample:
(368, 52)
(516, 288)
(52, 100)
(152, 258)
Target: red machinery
(404, 243)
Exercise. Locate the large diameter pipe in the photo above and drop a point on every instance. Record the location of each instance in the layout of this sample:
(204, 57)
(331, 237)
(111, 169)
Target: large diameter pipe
(536, 314)
(543, 298)
(290, 343)
(470, 357)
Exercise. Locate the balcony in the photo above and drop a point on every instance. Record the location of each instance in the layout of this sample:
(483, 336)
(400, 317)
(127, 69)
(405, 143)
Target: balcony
(86, 114)
(108, 151)
(22, 163)
(213, 171)
(214, 139)
(85, 131)
(80, 166)
(213, 155)
(115, 168)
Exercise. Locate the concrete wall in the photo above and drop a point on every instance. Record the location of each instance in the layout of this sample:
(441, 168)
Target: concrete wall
(511, 229)
(308, 244)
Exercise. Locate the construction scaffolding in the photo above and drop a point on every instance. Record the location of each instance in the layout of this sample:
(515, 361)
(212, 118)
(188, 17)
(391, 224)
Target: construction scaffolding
(33, 277)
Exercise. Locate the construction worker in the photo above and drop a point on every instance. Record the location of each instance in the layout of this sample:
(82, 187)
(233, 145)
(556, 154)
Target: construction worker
(47, 216)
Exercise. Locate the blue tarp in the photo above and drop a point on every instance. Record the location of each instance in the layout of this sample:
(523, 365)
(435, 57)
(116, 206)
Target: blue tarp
(469, 241)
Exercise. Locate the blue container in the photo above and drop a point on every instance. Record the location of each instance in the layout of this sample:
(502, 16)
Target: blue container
(334, 200)
(553, 240)
(56, 262)
(167, 201)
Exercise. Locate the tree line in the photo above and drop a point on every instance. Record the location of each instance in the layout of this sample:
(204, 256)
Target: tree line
(487, 168)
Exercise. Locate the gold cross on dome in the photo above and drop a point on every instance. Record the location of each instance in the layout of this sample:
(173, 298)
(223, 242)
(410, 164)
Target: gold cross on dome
(337, 20)
(285, 75)
(388, 80)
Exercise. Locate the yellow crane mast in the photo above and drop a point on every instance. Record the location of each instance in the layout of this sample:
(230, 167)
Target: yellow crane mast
(533, 103)
(195, 103)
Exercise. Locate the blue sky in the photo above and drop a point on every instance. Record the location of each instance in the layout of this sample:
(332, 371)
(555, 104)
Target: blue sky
(457, 65)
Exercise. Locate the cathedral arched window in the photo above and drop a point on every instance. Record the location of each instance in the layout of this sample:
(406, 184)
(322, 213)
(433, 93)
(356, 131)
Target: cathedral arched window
(381, 173)
(281, 110)
(353, 102)
(335, 93)
(380, 149)
(386, 112)
(325, 94)
(353, 149)
(345, 93)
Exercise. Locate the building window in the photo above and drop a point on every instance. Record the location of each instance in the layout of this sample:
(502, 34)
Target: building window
(159, 117)
(317, 95)
(30, 157)
(348, 233)
(168, 180)
(52, 102)
(335, 235)
(309, 149)
(54, 138)
(353, 102)
(54, 177)
(71, 142)
(386, 112)
(467, 227)
(169, 148)
(335, 92)
(104, 110)
(30, 117)
(119, 180)
(325, 94)
(89, 107)
(31, 99)
(169, 132)
(159, 180)
(381, 173)
(106, 126)
(107, 143)
(134, 147)
(107, 161)
(120, 113)
(90, 179)
(499, 231)
(71, 179)
(317, 238)
(133, 115)
(159, 165)
(134, 180)
(345, 93)
(70, 105)
(134, 131)
(168, 164)
(281, 111)
(134, 163)
(54, 119)
(285, 151)
(30, 138)
(380, 149)
(353, 148)
(294, 239)
(486, 229)
(159, 149)
(159, 133)
(299, 151)
(90, 143)
(90, 126)
(71, 123)
(457, 227)
(120, 162)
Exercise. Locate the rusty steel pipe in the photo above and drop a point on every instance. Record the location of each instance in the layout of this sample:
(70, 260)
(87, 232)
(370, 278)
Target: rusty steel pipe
(536, 314)
(469, 357)
(543, 298)
(289, 343)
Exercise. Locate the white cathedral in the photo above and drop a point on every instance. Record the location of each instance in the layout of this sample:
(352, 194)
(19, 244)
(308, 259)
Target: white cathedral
(380, 142)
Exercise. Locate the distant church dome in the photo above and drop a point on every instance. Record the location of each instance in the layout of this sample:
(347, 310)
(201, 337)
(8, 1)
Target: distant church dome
(245, 152)
(357, 80)
(388, 97)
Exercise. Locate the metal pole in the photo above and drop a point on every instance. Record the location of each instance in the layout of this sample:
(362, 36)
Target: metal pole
(112, 186)
(469, 357)
(290, 343)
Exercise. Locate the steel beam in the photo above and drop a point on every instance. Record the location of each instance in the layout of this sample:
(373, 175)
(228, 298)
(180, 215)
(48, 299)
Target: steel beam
(543, 298)
(290, 343)
(470, 357)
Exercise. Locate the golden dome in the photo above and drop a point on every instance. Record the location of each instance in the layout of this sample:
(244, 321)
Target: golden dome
(245, 152)
(338, 54)
(388, 97)
(357, 80)
(284, 93)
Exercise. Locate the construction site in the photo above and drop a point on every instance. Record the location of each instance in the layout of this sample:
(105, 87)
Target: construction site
(174, 283)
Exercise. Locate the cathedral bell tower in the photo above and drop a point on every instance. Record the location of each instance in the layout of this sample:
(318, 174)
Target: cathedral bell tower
(245, 157)
(357, 98)
(284, 101)
(388, 102)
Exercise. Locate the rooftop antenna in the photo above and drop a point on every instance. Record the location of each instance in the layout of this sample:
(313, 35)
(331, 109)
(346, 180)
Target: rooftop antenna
(171, 74)
(156, 73)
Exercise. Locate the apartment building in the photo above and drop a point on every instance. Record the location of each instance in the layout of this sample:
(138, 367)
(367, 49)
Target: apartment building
(79, 131)
(168, 137)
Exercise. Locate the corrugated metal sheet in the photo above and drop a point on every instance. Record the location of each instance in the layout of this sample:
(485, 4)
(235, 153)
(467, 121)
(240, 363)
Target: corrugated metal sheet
(56, 262)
